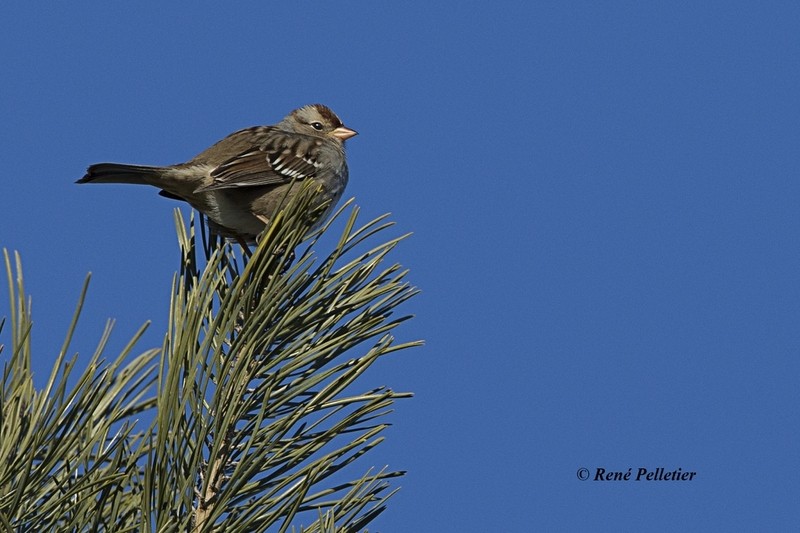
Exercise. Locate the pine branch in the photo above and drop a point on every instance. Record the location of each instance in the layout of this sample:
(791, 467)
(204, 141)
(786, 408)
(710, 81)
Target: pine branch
(258, 374)
(256, 409)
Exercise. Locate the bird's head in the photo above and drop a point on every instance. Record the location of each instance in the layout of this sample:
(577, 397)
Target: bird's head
(317, 120)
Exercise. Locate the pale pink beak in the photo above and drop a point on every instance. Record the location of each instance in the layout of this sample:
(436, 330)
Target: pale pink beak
(342, 133)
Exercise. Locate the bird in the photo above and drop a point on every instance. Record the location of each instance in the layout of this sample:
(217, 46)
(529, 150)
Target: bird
(241, 182)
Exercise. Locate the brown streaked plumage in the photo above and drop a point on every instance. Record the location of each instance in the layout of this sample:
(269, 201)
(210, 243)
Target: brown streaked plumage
(242, 181)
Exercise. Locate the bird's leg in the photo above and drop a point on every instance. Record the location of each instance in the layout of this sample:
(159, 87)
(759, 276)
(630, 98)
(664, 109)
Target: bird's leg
(279, 251)
(289, 260)
(245, 248)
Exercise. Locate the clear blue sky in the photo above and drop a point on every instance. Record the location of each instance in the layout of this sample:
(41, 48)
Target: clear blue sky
(604, 200)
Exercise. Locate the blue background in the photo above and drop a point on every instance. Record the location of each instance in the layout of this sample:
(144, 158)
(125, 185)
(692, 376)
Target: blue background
(604, 200)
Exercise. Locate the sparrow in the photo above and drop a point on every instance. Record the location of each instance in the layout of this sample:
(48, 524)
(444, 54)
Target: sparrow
(241, 182)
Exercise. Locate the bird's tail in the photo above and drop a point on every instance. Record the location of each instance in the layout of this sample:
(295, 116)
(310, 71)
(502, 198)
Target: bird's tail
(119, 173)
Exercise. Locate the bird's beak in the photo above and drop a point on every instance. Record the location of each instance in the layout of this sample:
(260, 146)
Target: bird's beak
(342, 133)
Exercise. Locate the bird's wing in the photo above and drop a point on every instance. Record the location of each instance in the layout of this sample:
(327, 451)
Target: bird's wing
(280, 158)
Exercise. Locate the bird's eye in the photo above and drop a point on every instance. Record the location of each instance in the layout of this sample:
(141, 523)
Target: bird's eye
(317, 126)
